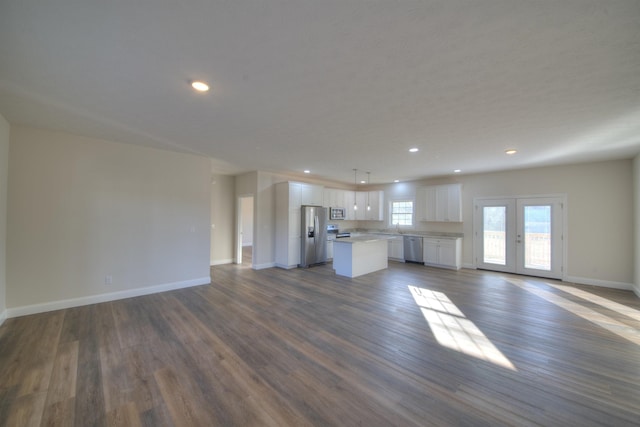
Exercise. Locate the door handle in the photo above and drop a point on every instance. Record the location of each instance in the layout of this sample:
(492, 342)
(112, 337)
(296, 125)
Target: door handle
(315, 227)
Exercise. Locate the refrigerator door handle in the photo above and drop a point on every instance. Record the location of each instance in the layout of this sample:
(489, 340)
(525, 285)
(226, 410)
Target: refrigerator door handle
(316, 223)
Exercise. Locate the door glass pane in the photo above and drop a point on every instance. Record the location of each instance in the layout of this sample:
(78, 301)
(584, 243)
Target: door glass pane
(537, 237)
(494, 229)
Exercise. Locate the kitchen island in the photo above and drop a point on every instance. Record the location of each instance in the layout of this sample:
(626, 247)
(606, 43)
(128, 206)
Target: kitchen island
(356, 256)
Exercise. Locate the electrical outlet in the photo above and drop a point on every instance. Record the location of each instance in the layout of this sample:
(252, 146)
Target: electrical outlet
(108, 280)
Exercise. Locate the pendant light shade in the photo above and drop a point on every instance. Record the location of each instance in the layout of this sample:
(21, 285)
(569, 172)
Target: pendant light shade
(355, 182)
(368, 182)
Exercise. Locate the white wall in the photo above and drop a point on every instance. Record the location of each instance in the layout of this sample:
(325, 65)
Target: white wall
(4, 175)
(247, 185)
(82, 209)
(636, 219)
(600, 214)
(264, 254)
(247, 221)
(600, 240)
(222, 219)
(261, 185)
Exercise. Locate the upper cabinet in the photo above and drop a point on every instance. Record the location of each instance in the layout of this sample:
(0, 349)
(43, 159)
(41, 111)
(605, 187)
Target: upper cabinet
(350, 198)
(362, 199)
(312, 194)
(374, 201)
(335, 198)
(442, 203)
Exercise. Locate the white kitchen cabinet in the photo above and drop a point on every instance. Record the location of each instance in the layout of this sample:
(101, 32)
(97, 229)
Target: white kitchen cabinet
(329, 250)
(443, 252)
(345, 199)
(333, 198)
(429, 203)
(349, 200)
(376, 202)
(396, 248)
(373, 199)
(312, 194)
(288, 201)
(327, 197)
(454, 202)
(442, 203)
(361, 199)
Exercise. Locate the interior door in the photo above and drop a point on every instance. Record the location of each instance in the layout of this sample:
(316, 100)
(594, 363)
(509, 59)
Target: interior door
(520, 235)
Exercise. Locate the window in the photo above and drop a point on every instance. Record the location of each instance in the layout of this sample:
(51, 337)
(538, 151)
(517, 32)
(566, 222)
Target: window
(402, 213)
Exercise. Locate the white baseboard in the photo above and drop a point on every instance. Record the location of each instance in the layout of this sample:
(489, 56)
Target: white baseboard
(284, 266)
(598, 282)
(263, 266)
(222, 261)
(588, 281)
(3, 317)
(111, 296)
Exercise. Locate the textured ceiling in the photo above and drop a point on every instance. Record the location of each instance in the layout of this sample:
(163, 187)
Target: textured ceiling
(333, 85)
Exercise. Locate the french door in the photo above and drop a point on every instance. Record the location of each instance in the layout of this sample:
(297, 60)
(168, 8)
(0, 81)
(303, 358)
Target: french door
(520, 235)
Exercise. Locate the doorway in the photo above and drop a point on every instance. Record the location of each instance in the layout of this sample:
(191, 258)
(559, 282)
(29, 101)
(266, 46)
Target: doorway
(244, 238)
(522, 235)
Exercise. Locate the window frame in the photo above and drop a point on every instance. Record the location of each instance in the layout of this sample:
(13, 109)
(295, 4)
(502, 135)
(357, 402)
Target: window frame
(413, 213)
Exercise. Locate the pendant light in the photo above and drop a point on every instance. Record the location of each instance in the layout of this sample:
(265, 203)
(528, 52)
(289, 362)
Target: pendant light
(355, 183)
(368, 182)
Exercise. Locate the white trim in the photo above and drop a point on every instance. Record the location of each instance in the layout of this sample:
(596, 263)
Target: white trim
(285, 266)
(263, 266)
(636, 291)
(222, 261)
(476, 242)
(111, 296)
(3, 317)
(470, 266)
(414, 219)
(602, 283)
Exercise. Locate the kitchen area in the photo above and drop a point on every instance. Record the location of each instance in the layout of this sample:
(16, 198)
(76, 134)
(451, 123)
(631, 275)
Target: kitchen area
(361, 241)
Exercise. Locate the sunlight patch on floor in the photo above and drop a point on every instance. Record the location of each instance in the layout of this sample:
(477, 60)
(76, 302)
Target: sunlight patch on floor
(603, 302)
(622, 330)
(453, 330)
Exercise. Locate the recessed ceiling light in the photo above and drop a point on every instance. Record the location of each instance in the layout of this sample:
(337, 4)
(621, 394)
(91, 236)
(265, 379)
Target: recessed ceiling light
(510, 151)
(307, 171)
(457, 171)
(413, 150)
(363, 182)
(396, 180)
(200, 86)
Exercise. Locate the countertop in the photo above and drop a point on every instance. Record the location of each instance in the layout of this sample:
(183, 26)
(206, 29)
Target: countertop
(391, 234)
(366, 238)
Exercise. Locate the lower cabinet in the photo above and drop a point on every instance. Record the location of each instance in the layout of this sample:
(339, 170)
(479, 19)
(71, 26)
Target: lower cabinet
(396, 248)
(443, 252)
(294, 251)
(329, 250)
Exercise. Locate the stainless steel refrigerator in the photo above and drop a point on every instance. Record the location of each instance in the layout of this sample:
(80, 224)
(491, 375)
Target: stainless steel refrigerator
(313, 247)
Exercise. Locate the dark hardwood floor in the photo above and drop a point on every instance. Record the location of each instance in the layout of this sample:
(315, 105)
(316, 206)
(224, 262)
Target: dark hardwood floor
(407, 346)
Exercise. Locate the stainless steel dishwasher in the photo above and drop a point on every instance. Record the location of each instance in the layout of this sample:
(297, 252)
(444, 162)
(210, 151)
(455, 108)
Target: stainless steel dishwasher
(413, 249)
